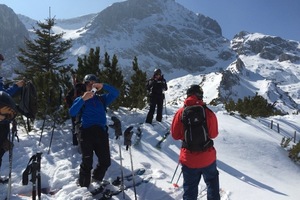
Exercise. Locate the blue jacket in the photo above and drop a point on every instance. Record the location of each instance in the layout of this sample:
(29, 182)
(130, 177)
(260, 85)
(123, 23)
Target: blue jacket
(93, 112)
(11, 90)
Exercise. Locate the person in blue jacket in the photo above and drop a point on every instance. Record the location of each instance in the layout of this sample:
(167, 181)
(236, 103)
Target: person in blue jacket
(4, 122)
(94, 135)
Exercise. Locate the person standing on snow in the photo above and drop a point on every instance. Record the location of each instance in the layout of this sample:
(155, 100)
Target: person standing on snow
(197, 163)
(76, 91)
(94, 135)
(7, 111)
(156, 87)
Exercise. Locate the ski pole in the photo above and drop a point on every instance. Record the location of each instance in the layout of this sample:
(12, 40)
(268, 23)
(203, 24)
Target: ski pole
(42, 130)
(176, 184)
(127, 141)
(165, 106)
(34, 177)
(175, 172)
(133, 179)
(51, 137)
(118, 132)
(121, 168)
(39, 184)
(11, 146)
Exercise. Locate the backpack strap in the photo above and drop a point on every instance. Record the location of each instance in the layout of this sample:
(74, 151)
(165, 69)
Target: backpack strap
(102, 100)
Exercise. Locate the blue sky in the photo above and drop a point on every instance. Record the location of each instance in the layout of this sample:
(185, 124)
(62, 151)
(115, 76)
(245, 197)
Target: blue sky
(271, 17)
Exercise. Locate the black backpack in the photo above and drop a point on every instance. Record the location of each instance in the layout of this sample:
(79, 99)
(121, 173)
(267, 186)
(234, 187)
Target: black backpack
(196, 137)
(28, 103)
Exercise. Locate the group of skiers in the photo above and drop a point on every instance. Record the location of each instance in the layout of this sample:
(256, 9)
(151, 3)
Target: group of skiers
(87, 108)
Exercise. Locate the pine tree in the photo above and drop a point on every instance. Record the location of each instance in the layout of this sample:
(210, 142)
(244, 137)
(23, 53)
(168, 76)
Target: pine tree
(137, 88)
(43, 59)
(89, 64)
(113, 76)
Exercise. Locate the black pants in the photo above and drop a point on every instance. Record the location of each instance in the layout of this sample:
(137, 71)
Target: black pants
(94, 139)
(155, 100)
(4, 131)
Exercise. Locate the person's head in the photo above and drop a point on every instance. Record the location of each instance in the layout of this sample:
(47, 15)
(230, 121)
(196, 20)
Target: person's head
(8, 109)
(195, 90)
(157, 73)
(1, 59)
(80, 89)
(89, 80)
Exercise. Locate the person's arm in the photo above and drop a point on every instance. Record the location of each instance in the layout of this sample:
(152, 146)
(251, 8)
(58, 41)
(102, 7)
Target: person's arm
(14, 88)
(150, 84)
(177, 128)
(76, 106)
(112, 94)
(212, 123)
(165, 85)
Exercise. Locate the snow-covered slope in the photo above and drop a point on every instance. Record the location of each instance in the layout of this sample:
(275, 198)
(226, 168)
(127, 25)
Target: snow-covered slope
(251, 163)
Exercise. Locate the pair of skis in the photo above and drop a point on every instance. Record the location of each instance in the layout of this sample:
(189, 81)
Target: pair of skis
(158, 144)
(108, 193)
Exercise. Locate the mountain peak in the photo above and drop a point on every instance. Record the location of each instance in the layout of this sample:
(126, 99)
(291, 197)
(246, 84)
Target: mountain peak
(162, 29)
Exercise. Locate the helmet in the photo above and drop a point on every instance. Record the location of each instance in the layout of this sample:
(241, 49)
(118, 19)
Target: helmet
(90, 77)
(195, 90)
(6, 100)
(157, 71)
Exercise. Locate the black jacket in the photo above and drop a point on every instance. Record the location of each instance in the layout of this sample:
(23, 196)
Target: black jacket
(155, 87)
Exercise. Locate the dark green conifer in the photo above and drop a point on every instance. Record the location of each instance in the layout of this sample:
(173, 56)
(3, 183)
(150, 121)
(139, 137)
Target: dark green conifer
(43, 58)
(137, 88)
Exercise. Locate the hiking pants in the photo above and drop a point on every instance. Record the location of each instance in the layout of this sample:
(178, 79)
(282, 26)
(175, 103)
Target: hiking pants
(159, 101)
(94, 139)
(191, 180)
(4, 131)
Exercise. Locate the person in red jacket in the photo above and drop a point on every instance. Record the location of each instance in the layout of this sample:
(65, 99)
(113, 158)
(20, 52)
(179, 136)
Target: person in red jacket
(196, 164)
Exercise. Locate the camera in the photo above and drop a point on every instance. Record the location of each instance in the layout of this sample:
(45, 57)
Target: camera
(94, 90)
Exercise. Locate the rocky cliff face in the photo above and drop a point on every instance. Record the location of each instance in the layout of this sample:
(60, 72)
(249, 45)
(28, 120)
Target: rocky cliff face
(12, 32)
(264, 62)
(161, 33)
(268, 47)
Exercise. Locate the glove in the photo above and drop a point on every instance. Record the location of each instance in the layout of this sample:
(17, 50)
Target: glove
(7, 113)
(116, 126)
(127, 136)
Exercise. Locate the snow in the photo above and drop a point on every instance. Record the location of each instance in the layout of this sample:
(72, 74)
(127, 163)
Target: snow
(251, 162)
